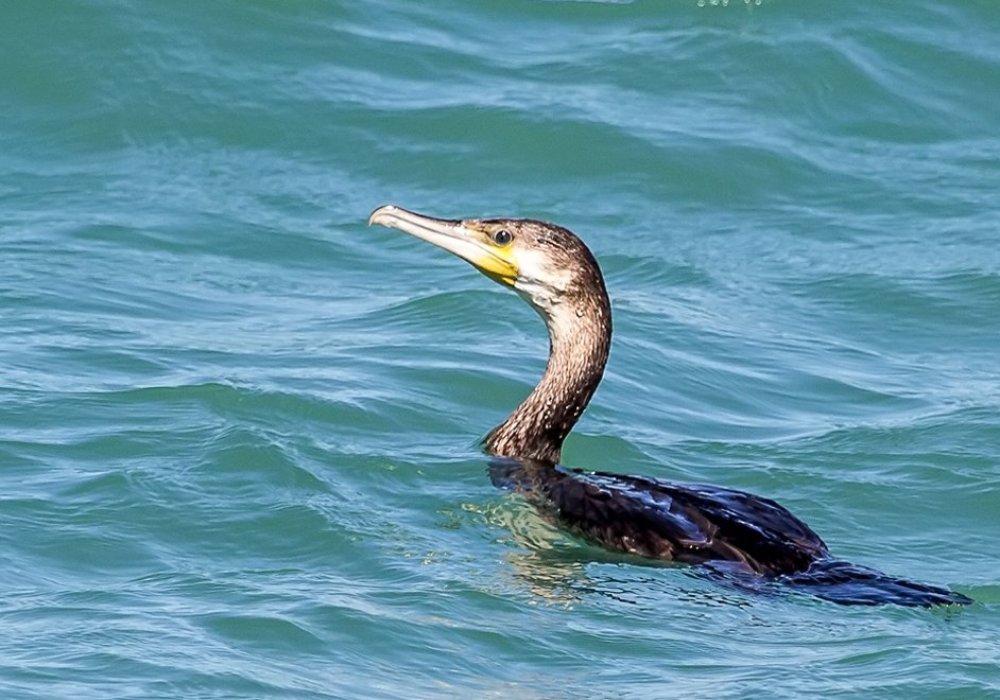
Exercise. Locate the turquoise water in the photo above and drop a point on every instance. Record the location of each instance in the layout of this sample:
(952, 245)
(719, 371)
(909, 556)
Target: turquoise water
(238, 427)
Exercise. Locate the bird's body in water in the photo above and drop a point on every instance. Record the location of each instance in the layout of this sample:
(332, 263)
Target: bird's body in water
(731, 532)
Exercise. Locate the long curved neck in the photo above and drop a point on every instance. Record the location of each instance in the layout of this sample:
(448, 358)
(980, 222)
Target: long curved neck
(579, 340)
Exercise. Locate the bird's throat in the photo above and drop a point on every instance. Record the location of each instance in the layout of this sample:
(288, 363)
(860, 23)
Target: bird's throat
(579, 337)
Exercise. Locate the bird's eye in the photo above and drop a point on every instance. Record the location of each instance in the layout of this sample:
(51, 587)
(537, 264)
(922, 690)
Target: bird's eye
(502, 237)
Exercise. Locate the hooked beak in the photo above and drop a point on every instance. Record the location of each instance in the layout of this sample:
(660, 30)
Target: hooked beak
(462, 238)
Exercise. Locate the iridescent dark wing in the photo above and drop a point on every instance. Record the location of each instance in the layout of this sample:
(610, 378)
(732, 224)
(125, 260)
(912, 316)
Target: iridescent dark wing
(690, 523)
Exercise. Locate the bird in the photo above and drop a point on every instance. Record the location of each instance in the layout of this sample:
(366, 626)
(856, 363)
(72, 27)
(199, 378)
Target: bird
(734, 535)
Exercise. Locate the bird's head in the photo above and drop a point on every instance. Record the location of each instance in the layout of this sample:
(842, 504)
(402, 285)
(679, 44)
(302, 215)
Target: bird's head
(546, 264)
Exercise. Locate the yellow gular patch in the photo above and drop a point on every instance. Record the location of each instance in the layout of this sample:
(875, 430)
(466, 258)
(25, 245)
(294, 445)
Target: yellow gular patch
(498, 265)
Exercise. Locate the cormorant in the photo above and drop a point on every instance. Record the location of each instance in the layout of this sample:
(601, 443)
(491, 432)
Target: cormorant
(735, 534)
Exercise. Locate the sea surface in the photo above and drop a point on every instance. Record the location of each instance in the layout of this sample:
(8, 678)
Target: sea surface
(239, 428)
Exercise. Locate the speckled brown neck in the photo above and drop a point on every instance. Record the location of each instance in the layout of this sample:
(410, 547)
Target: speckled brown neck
(579, 340)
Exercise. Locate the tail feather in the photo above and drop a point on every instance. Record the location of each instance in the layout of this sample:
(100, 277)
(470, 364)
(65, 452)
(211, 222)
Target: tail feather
(850, 584)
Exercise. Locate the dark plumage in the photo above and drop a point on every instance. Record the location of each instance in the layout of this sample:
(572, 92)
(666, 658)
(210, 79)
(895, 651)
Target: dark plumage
(732, 532)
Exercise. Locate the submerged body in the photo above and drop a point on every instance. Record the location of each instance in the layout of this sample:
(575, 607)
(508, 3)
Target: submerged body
(744, 539)
(735, 533)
